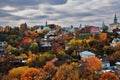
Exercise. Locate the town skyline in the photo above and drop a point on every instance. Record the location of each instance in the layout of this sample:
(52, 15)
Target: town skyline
(63, 12)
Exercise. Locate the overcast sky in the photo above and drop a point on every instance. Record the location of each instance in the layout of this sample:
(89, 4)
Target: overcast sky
(61, 12)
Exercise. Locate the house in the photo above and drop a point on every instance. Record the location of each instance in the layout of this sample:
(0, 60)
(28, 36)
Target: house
(85, 54)
(68, 29)
(3, 44)
(45, 45)
(118, 65)
(2, 50)
(90, 29)
(93, 29)
(115, 41)
(117, 71)
(105, 64)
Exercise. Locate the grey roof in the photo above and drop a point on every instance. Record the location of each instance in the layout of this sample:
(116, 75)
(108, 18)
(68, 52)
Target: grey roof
(87, 53)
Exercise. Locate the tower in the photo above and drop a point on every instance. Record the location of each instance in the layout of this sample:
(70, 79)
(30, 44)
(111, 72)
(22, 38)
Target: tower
(115, 24)
(103, 24)
(46, 23)
(46, 26)
(115, 19)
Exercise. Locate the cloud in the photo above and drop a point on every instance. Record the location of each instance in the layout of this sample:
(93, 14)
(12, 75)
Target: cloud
(62, 12)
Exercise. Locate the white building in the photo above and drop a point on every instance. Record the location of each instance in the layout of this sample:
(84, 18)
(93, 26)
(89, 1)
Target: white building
(85, 54)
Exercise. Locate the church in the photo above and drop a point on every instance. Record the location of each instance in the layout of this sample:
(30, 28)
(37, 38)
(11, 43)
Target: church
(115, 24)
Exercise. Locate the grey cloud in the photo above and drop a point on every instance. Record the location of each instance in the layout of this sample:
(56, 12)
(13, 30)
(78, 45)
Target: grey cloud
(21, 3)
(4, 13)
(64, 12)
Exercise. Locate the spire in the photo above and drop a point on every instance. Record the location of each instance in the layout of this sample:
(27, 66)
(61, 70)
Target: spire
(46, 26)
(46, 23)
(115, 19)
(103, 24)
(80, 26)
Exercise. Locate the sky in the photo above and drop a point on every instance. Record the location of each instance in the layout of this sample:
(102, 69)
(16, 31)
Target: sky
(61, 12)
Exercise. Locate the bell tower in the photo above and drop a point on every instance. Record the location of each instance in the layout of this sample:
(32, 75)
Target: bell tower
(115, 19)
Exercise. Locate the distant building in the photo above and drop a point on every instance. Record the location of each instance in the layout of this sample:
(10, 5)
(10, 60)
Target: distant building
(85, 54)
(45, 45)
(69, 29)
(115, 24)
(90, 29)
(40, 28)
(93, 29)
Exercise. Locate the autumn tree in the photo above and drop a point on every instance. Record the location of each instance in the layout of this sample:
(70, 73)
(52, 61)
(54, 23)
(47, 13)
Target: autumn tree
(7, 29)
(66, 72)
(90, 68)
(43, 32)
(16, 73)
(34, 47)
(56, 48)
(103, 36)
(117, 47)
(93, 64)
(31, 34)
(13, 50)
(39, 60)
(50, 69)
(108, 76)
(114, 57)
(34, 74)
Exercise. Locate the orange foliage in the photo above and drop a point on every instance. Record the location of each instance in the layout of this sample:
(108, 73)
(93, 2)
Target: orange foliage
(16, 73)
(93, 64)
(34, 74)
(115, 56)
(27, 40)
(57, 47)
(108, 76)
(50, 68)
(103, 36)
(30, 34)
(66, 72)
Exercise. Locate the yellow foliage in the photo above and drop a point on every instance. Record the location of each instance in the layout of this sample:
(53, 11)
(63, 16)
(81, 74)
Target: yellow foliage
(31, 57)
(34, 74)
(22, 56)
(16, 73)
(76, 42)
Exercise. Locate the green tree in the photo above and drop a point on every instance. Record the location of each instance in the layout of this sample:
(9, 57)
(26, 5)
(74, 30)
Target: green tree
(34, 47)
